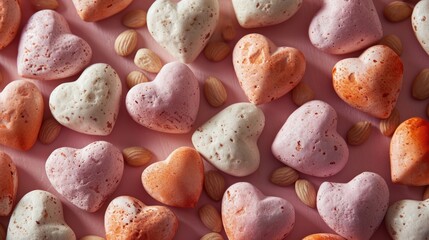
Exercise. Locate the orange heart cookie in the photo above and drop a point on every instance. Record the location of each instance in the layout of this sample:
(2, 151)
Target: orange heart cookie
(92, 11)
(266, 72)
(409, 153)
(177, 181)
(8, 184)
(370, 83)
(21, 114)
(10, 13)
(323, 236)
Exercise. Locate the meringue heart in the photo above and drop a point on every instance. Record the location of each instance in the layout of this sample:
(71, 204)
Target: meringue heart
(92, 11)
(9, 22)
(420, 24)
(8, 184)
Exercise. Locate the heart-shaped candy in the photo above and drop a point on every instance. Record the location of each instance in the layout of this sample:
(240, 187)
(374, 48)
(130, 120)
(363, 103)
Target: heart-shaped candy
(420, 23)
(128, 218)
(345, 26)
(8, 184)
(355, 209)
(229, 139)
(408, 219)
(409, 153)
(39, 215)
(183, 28)
(91, 11)
(91, 103)
(370, 83)
(309, 141)
(257, 13)
(178, 180)
(48, 50)
(10, 13)
(248, 214)
(266, 72)
(21, 114)
(323, 236)
(167, 104)
(86, 177)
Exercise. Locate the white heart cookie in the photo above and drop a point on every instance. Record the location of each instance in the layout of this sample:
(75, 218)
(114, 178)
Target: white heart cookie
(90, 104)
(183, 28)
(421, 24)
(229, 139)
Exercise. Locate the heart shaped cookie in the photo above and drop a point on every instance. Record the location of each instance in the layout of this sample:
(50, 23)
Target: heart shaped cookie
(91, 11)
(248, 214)
(323, 236)
(409, 153)
(257, 13)
(266, 72)
(408, 219)
(128, 218)
(178, 180)
(309, 141)
(420, 24)
(21, 114)
(48, 50)
(370, 83)
(183, 28)
(86, 177)
(355, 209)
(90, 104)
(39, 215)
(167, 104)
(9, 22)
(8, 184)
(345, 26)
(229, 139)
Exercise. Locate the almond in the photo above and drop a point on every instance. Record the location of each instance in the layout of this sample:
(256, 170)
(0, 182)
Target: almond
(49, 131)
(420, 89)
(134, 19)
(397, 11)
(393, 42)
(389, 125)
(2, 232)
(44, 4)
(135, 77)
(229, 33)
(212, 236)
(426, 193)
(148, 60)
(215, 92)
(302, 93)
(91, 237)
(284, 176)
(216, 51)
(359, 133)
(306, 192)
(136, 156)
(214, 184)
(210, 217)
(126, 42)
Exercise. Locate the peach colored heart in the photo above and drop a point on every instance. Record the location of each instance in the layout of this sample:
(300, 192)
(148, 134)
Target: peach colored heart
(128, 218)
(8, 184)
(92, 11)
(409, 153)
(10, 13)
(176, 181)
(266, 72)
(370, 83)
(21, 114)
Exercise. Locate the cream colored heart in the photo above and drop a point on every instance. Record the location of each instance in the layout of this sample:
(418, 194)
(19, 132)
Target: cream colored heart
(420, 23)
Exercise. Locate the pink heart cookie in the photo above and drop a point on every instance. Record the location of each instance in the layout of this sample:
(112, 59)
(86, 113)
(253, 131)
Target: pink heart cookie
(248, 214)
(309, 142)
(355, 209)
(88, 176)
(48, 50)
(167, 104)
(266, 72)
(91, 11)
(8, 184)
(10, 13)
(128, 218)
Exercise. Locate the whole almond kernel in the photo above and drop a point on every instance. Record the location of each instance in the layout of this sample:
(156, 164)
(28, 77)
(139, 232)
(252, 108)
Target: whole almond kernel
(302, 93)
(49, 131)
(212, 236)
(91, 237)
(44, 4)
(389, 125)
(229, 33)
(135, 18)
(126, 42)
(214, 184)
(2, 232)
(426, 193)
(306, 192)
(215, 92)
(359, 133)
(136, 156)
(397, 11)
(284, 176)
(135, 77)
(216, 51)
(393, 42)
(420, 89)
(148, 60)
(210, 217)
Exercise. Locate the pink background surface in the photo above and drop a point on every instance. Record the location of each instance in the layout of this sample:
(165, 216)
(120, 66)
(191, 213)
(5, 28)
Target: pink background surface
(373, 155)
